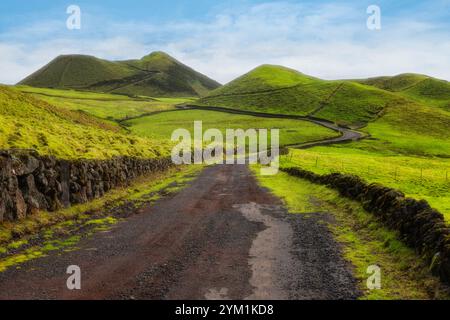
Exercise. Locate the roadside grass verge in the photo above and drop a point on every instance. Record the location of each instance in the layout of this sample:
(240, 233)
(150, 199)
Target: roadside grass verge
(161, 126)
(364, 240)
(425, 178)
(145, 189)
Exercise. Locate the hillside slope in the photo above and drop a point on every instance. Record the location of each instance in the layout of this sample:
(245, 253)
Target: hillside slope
(27, 122)
(422, 88)
(277, 89)
(157, 74)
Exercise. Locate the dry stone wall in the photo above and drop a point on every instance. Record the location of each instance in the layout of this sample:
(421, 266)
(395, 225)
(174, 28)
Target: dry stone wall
(30, 182)
(420, 226)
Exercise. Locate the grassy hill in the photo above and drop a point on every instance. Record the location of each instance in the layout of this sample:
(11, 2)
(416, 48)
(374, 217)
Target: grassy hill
(398, 112)
(27, 122)
(421, 88)
(157, 74)
(276, 89)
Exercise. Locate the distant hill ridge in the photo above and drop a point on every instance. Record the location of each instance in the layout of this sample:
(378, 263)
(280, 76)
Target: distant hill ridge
(419, 87)
(277, 89)
(156, 74)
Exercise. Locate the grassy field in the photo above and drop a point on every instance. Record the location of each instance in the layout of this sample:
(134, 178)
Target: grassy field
(27, 122)
(410, 129)
(363, 239)
(277, 89)
(161, 126)
(156, 74)
(106, 106)
(418, 177)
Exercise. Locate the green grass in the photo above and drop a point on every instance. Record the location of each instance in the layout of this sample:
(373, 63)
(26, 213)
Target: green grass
(264, 78)
(431, 92)
(162, 125)
(157, 74)
(354, 104)
(106, 106)
(421, 88)
(396, 83)
(27, 122)
(77, 94)
(297, 100)
(277, 89)
(364, 240)
(418, 177)
(411, 129)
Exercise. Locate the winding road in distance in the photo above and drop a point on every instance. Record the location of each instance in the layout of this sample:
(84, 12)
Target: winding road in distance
(346, 135)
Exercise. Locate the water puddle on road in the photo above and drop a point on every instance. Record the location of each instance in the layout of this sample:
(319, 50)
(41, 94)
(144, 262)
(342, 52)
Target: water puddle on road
(217, 294)
(271, 260)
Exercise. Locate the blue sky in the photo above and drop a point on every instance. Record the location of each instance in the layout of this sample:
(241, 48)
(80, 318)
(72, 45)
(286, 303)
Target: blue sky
(224, 39)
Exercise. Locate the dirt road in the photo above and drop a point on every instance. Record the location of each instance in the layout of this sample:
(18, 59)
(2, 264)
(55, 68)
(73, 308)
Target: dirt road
(222, 237)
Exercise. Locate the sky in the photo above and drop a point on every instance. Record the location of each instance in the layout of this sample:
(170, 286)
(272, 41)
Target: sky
(225, 39)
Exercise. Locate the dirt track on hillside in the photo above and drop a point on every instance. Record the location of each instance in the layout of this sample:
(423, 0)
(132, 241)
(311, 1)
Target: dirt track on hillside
(222, 237)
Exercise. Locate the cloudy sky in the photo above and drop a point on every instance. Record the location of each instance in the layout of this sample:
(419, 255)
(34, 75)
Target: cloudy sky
(224, 39)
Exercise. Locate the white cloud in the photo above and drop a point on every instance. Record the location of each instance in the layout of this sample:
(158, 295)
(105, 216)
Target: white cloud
(327, 41)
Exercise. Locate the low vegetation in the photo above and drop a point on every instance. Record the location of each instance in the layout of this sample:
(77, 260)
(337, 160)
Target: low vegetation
(30, 123)
(161, 126)
(418, 177)
(156, 74)
(276, 89)
(422, 88)
(112, 107)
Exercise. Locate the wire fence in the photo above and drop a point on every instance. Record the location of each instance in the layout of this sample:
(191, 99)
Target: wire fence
(380, 169)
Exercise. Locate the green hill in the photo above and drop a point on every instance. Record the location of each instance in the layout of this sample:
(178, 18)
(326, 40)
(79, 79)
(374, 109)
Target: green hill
(422, 88)
(30, 123)
(276, 89)
(157, 74)
(265, 77)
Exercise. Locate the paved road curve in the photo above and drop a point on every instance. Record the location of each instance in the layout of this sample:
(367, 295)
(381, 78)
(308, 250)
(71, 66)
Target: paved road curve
(346, 135)
(222, 237)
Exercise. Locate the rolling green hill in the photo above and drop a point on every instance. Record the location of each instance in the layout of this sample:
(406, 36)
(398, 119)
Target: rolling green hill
(276, 89)
(422, 88)
(30, 123)
(157, 74)
(398, 112)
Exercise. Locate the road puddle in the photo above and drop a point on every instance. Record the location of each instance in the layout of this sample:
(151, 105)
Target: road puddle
(271, 260)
